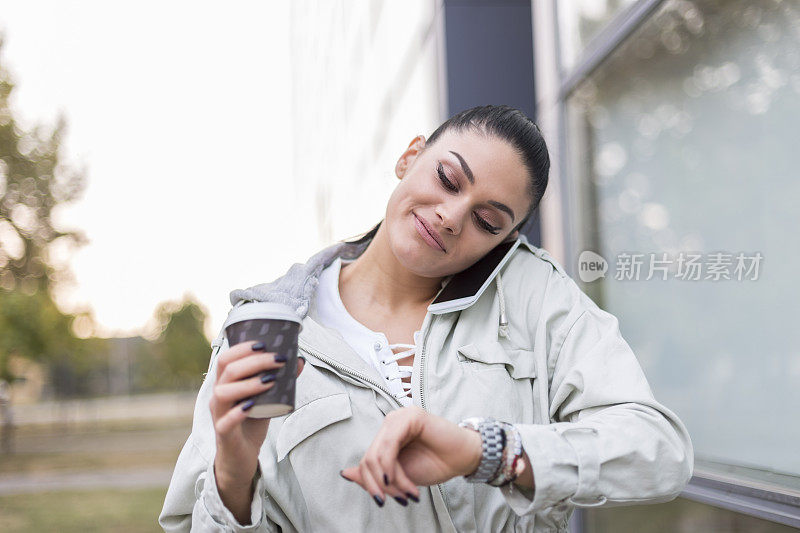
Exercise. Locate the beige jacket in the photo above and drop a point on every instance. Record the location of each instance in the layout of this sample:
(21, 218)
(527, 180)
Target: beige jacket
(559, 370)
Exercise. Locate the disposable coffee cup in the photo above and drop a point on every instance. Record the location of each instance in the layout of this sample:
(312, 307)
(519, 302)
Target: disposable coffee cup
(277, 326)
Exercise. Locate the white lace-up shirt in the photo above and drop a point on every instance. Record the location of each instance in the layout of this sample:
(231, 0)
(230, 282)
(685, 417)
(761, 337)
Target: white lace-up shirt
(372, 346)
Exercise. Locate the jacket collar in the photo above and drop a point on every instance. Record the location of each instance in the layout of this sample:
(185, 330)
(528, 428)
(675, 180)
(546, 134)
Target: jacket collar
(297, 289)
(298, 286)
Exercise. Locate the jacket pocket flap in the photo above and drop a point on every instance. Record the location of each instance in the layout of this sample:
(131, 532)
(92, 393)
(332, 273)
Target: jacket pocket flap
(310, 418)
(520, 362)
(485, 354)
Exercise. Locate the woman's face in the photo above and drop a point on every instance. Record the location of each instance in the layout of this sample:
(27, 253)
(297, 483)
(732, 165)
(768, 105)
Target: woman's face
(471, 190)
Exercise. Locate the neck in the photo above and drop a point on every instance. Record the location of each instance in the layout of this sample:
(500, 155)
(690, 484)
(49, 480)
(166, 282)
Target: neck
(382, 282)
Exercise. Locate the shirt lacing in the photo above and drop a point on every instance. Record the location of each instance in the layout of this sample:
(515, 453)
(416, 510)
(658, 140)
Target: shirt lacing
(402, 370)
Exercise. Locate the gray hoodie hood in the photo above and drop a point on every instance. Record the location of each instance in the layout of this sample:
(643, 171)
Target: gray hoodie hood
(296, 288)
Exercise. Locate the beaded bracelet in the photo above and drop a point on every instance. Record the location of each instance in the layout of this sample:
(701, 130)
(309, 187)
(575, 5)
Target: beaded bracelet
(512, 454)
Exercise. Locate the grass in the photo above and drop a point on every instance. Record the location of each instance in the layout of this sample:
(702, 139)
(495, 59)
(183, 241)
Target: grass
(109, 445)
(101, 426)
(42, 450)
(129, 511)
(54, 462)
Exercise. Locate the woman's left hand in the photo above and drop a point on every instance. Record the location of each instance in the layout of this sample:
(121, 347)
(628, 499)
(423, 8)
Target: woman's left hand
(414, 447)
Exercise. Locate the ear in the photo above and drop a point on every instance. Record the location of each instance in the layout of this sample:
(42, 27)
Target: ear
(407, 159)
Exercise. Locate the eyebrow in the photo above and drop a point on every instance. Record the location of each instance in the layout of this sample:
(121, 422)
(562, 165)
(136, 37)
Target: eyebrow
(471, 178)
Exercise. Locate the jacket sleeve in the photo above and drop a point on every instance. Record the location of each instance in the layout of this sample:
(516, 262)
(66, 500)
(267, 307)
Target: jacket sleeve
(192, 502)
(610, 441)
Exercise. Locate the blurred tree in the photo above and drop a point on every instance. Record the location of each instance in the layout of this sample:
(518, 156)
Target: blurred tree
(33, 183)
(179, 356)
(31, 326)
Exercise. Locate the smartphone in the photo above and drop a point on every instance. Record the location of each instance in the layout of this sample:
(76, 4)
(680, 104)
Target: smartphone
(465, 287)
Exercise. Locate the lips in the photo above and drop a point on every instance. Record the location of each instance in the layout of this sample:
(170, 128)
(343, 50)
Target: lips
(431, 232)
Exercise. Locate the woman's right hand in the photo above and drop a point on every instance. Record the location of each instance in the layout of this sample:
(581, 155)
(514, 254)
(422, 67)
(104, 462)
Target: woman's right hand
(239, 438)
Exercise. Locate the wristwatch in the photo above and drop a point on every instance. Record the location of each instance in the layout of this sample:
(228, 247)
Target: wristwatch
(493, 441)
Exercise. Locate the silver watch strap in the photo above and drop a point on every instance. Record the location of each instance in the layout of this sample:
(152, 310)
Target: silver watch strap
(492, 444)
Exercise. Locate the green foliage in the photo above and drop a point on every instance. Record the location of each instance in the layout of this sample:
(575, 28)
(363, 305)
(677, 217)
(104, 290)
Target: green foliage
(179, 356)
(32, 326)
(33, 182)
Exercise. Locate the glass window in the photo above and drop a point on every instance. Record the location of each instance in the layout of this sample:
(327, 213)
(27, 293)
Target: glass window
(684, 143)
(580, 21)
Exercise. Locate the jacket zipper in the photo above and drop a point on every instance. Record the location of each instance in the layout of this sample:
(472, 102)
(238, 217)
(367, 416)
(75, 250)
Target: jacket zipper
(347, 370)
(422, 386)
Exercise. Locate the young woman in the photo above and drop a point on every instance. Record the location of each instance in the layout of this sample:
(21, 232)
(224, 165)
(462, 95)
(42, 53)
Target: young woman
(502, 416)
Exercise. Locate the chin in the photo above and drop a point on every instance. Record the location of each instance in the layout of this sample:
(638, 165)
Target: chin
(411, 252)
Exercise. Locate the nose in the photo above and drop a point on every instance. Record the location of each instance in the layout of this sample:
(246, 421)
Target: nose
(450, 218)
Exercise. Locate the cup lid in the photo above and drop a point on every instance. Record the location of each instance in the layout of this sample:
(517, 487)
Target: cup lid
(255, 310)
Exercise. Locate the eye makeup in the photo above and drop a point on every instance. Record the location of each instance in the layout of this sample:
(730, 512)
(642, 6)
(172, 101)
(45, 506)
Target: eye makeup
(447, 184)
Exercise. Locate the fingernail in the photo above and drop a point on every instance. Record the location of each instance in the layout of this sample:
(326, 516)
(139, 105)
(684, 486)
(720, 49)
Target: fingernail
(378, 500)
(248, 404)
(258, 346)
(385, 480)
(266, 378)
(280, 358)
(412, 497)
(301, 357)
(340, 473)
(401, 501)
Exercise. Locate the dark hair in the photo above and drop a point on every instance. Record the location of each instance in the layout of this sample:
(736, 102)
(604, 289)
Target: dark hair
(511, 125)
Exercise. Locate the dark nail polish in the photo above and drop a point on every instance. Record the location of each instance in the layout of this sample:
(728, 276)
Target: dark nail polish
(340, 473)
(248, 404)
(266, 378)
(259, 346)
(301, 357)
(401, 501)
(412, 497)
(378, 500)
(280, 358)
(385, 480)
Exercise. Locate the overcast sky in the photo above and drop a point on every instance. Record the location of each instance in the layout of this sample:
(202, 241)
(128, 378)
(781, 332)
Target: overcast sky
(180, 113)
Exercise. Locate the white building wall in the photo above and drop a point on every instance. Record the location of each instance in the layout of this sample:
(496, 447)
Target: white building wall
(366, 81)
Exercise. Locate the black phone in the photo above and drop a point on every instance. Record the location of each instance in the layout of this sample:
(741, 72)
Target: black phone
(466, 286)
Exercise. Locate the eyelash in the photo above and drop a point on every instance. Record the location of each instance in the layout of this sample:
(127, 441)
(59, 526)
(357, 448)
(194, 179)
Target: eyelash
(450, 187)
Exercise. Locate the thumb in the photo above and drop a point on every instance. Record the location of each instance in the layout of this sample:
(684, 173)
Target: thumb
(351, 473)
(301, 364)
